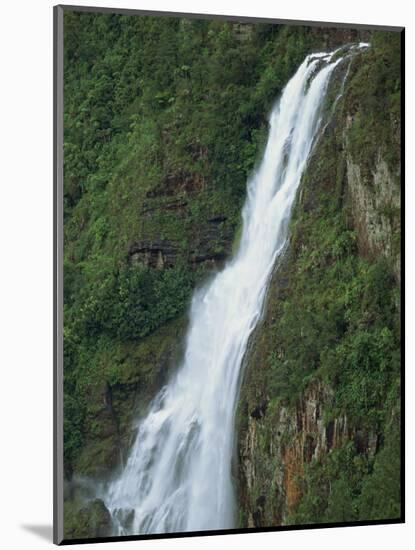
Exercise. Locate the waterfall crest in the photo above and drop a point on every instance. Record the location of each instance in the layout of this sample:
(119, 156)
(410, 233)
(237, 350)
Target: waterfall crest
(178, 473)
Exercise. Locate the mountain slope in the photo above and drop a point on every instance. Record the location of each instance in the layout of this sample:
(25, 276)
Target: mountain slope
(319, 413)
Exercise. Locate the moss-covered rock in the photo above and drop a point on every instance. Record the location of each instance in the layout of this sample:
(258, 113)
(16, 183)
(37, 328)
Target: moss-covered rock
(86, 520)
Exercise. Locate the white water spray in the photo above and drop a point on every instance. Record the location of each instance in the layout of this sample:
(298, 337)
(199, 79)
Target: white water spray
(178, 474)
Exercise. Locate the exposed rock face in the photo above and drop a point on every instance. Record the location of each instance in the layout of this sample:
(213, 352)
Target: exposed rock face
(212, 246)
(157, 254)
(173, 219)
(297, 436)
(376, 200)
(279, 439)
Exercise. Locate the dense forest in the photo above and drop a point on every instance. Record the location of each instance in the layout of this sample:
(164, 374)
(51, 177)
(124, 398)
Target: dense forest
(164, 120)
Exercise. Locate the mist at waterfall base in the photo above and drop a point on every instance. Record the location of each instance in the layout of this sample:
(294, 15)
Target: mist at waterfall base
(178, 474)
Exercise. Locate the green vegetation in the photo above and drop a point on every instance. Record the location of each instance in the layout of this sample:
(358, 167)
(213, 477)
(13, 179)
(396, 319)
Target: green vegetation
(350, 486)
(83, 520)
(339, 322)
(333, 322)
(375, 90)
(164, 120)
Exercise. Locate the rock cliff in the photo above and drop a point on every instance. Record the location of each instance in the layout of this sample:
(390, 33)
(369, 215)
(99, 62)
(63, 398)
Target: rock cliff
(164, 120)
(305, 452)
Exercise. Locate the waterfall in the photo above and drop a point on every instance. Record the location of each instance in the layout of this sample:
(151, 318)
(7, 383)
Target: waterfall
(178, 474)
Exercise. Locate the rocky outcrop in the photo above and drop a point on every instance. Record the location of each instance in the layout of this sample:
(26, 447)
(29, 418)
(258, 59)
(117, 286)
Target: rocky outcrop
(293, 439)
(90, 519)
(282, 445)
(157, 254)
(211, 246)
(376, 200)
(287, 422)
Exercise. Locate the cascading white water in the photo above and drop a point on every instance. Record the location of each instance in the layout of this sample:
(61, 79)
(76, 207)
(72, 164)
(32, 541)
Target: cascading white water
(178, 474)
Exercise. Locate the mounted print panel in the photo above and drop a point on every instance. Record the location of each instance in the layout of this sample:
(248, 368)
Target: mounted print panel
(228, 275)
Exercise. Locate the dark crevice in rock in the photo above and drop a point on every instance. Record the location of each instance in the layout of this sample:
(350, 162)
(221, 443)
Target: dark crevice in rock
(157, 253)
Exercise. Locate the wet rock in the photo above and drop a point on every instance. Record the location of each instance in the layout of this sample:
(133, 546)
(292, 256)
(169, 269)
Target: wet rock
(125, 516)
